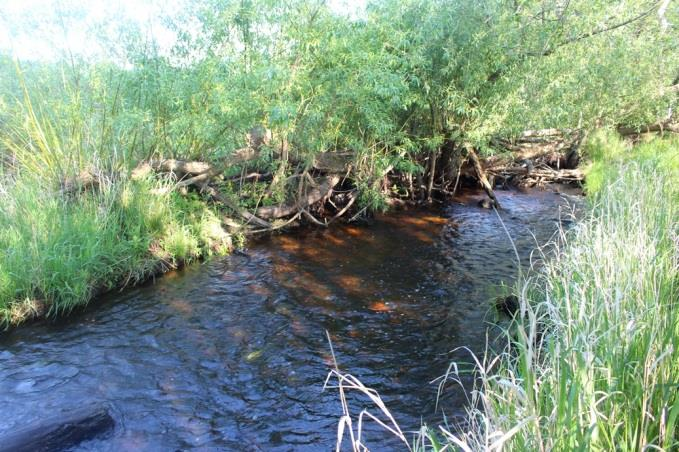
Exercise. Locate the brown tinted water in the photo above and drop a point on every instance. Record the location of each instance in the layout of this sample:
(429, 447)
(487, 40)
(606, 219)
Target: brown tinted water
(232, 354)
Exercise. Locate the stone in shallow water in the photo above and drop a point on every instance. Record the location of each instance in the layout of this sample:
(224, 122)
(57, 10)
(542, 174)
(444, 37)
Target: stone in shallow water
(485, 203)
(60, 432)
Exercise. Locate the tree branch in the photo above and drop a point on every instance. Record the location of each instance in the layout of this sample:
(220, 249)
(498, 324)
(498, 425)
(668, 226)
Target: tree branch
(599, 31)
(548, 51)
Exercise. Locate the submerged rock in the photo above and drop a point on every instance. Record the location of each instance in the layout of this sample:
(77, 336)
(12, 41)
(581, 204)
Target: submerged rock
(61, 432)
(486, 203)
(507, 305)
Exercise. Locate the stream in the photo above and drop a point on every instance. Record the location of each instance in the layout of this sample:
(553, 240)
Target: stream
(232, 354)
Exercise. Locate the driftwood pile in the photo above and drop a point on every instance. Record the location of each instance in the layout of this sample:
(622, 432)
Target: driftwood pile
(536, 158)
(324, 189)
(328, 171)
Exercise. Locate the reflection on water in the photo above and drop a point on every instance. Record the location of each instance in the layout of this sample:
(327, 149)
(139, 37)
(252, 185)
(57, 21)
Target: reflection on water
(232, 354)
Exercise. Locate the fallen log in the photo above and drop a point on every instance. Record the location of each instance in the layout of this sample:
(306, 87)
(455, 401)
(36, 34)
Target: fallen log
(560, 150)
(483, 180)
(552, 175)
(257, 177)
(324, 189)
(199, 179)
(182, 167)
(247, 216)
(199, 174)
(544, 133)
(190, 168)
(62, 432)
(660, 127)
(545, 153)
(334, 162)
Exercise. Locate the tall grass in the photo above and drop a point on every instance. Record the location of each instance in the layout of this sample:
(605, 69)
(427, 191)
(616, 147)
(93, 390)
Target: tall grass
(592, 361)
(58, 251)
(592, 355)
(63, 245)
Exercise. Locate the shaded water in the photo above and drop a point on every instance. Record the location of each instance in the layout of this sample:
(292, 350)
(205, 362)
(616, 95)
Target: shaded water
(232, 354)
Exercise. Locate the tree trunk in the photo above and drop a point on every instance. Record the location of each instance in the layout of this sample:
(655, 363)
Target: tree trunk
(481, 174)
(432, 173)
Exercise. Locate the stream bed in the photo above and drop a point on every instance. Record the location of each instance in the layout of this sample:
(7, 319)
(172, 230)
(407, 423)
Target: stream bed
(232, 354)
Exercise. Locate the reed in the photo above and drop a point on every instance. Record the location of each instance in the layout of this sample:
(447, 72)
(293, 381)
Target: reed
(59, 252)
(592, 356)
(62, 245)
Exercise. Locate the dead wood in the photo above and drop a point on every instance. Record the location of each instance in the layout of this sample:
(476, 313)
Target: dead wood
(481, 174)
(64, 431)
(550, 153)
(324, 189)
(199, 179)
(183, 168)
(277, 225)
(86, 180)
(352, 200)
(544, 134)
(546, 173)
(247, 216)
(258, 136)
(333, 162)
(257, 177)
(180, 167)
(658, 127)
(433, 155)
(313, 219)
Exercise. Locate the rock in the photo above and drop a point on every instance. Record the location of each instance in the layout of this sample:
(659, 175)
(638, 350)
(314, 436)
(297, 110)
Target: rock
(485, 203)
(508, 305)
(62, 432)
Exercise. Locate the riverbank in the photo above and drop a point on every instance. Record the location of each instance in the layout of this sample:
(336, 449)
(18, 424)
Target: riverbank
(61, 250)
(298, 114)
(592, 361)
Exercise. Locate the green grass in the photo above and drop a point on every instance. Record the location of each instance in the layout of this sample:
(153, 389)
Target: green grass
(60, 250)
(592, 361)
(61, 247)
(605, 151)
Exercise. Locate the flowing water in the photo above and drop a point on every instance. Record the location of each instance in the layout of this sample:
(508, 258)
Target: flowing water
(232, 354)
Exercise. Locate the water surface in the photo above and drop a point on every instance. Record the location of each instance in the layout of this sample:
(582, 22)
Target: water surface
(232, 354)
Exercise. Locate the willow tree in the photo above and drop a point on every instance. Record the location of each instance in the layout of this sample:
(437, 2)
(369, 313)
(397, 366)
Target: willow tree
(480, 69)
(411, 84)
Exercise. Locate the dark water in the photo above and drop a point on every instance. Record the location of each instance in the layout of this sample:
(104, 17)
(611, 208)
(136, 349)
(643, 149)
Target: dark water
(232, 354)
